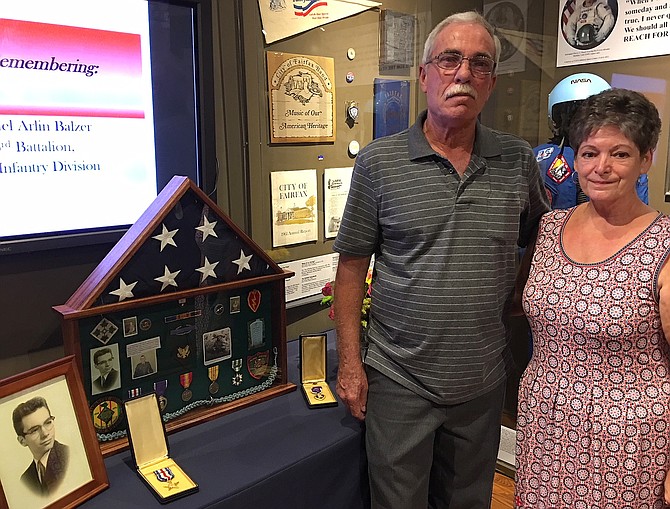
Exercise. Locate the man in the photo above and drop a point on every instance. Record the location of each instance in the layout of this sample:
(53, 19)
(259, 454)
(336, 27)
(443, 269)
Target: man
(35, 429)
(109, 377)
(589, 24)
(143, 368)
(440, 205)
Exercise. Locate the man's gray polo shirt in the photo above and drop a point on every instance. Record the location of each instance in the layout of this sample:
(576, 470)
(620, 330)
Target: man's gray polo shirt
(445, 250)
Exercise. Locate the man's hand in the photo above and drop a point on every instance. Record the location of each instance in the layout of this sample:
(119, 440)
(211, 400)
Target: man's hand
(352, 388)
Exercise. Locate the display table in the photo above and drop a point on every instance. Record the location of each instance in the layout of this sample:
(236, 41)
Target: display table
(278, 454)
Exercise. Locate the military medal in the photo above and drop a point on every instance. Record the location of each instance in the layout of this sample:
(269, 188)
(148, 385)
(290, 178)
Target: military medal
(166, 475)
(134, 393)
(316, 391)
(185, 380)
(213, 373)
(237, 366)
(161, 389)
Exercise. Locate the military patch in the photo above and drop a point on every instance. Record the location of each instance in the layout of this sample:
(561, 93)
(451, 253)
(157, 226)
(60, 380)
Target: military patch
(254, 300)
(258, 364)
(104, 331)
(183, 352)
(106, 413)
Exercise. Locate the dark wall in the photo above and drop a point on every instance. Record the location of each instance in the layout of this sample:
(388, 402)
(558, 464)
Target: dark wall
(30, 284)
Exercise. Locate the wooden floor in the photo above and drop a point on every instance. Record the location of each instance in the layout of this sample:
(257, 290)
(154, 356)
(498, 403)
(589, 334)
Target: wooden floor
(503, 492)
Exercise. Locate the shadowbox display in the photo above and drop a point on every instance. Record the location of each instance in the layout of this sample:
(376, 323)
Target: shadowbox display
(184, 305)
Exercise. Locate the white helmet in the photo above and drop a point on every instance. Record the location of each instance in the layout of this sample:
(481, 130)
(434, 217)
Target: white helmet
(575, 87)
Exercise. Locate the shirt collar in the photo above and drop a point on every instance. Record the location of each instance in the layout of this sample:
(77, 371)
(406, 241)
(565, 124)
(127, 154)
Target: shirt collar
(486, 144)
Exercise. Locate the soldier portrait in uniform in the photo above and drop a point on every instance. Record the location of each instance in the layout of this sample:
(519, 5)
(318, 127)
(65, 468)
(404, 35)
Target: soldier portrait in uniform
(105, 374)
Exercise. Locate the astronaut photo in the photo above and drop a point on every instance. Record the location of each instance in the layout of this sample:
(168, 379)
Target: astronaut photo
(590, 23)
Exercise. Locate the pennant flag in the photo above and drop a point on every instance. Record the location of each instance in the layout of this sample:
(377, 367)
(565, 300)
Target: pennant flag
(284, 18)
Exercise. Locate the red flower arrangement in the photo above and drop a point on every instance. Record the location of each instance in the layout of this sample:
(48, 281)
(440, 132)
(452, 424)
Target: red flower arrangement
(329, 298)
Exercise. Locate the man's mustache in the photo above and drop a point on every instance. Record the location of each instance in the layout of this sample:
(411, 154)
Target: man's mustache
(461, 89)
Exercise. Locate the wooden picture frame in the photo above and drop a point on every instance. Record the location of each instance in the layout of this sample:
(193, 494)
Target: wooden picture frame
(75, 469)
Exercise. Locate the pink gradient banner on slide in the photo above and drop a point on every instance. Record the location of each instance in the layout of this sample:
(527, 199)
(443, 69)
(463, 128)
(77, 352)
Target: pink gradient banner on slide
(87, 72)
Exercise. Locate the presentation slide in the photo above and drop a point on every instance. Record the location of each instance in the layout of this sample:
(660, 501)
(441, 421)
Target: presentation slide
(76, 120)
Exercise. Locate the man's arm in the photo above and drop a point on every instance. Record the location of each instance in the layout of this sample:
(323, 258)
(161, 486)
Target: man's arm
(352, 383)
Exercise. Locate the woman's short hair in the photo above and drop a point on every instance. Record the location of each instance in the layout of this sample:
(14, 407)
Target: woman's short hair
(632, 113)
(461, 17)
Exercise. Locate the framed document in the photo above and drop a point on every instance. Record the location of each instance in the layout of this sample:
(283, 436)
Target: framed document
(302, 94)
(396, 49)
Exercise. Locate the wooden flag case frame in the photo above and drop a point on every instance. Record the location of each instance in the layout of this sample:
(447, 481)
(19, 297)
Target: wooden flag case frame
(204, 327)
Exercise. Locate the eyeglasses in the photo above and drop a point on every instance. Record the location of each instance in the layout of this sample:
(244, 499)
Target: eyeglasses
(48, 425)
(480, 65)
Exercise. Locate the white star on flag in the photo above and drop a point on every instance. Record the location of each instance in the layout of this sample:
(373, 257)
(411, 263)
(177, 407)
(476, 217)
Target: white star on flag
(242, 262)
(207, 270)
(168, 278)
(207, 228)
(125, 291)
(166, 237)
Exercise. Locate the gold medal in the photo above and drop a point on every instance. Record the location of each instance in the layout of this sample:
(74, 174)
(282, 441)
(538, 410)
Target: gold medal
(213, 373)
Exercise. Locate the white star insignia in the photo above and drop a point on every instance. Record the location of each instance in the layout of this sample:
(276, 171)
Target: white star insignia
(168, 278)
(166, 237)
(207, 270)
(242, 262)
(207, 228)
(125, 291)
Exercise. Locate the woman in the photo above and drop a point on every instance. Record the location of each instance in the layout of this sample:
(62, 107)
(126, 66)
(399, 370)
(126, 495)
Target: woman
(594, 417)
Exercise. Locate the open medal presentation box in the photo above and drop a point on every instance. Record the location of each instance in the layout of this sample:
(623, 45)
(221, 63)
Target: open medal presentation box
(151, 453)
(313, 371)
(184, 305)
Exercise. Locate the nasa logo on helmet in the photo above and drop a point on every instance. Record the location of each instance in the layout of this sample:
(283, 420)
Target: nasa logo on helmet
(575, 87)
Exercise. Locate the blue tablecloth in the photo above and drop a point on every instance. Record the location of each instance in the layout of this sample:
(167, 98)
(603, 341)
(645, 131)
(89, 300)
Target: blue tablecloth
(278, 454)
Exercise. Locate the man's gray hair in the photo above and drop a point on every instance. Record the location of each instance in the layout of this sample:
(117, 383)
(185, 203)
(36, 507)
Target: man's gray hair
(461, 17)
